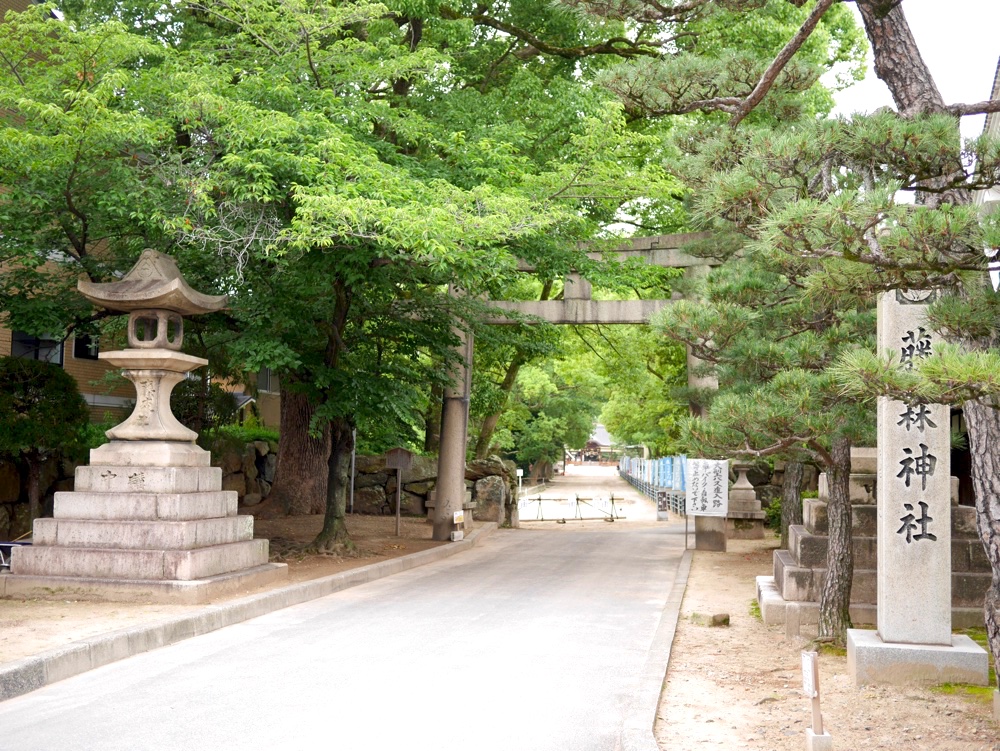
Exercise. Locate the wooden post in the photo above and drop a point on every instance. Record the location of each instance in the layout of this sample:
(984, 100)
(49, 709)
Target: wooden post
(398, 459)
(810, 687)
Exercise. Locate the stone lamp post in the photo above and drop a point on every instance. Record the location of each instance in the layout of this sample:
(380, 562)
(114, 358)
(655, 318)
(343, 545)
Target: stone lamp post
(148, 519)
(156, 297)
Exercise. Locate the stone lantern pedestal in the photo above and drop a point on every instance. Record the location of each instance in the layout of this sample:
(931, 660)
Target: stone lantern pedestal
(148, 519)
(745, 519)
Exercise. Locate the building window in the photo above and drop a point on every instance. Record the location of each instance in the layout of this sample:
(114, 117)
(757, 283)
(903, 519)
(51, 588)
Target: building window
(46, 348)
(267, 381)
(85, 347)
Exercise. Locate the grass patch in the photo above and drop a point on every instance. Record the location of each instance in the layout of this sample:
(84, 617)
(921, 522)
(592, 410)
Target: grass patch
(982, 694)
(829, 648)
(755, 610)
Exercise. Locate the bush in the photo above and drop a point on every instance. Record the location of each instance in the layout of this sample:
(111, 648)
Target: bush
(202, 406)
(41, 414)
(772, 511)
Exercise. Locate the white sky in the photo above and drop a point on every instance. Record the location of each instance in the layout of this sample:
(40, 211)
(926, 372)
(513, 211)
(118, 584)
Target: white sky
(959, 41)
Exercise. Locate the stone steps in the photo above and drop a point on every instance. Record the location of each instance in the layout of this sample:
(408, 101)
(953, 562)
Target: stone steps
(809, 551)
(864, 519)
(145, 506)
(774, 610)
(798, 583)
(142, 535)
(178, 565)
(126, 479)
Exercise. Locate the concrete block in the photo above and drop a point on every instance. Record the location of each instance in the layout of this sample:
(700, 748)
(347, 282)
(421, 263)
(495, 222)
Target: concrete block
(810, 550)
(996, 706)
(144, 506)
(871, 660)
(864, 518)
(710, 533)
(21, 677)
(186, 565)
(803, 584)
(963, 522)
(124, 479)
(65, 662)
(860, 487)
(969, 589)
(823, 742)
(745, 525)
(150, 454)
(108, 648)
(87, 562)
(772, 605)
(143, 535)
(793, 625)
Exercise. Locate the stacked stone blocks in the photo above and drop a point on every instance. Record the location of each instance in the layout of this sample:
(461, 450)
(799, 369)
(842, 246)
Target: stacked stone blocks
(799, 570)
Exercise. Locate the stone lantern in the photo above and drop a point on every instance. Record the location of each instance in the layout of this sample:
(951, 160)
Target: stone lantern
(156, 297)
(148, 518)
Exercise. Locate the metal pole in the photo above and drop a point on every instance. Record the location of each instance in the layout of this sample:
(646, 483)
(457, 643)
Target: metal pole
(399, 497)
(354, 452)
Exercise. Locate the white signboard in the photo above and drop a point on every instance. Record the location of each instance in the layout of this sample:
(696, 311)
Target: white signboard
(707, 487)
(520, 472)
(810, 674)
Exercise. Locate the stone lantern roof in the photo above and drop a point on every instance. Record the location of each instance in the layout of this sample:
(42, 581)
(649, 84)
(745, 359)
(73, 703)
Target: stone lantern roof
(154, 282)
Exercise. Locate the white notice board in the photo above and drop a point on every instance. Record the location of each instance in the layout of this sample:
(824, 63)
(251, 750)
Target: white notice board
(707, 487)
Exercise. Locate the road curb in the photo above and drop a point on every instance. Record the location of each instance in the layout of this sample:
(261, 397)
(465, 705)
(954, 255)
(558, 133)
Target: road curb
(31, 673)
(637, 731)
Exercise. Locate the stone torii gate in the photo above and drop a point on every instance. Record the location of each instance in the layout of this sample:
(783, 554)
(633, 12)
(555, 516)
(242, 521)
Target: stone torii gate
(576, 307)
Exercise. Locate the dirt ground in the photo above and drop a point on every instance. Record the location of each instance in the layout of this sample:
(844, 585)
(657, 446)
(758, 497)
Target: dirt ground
(741, 686)
(33, 626)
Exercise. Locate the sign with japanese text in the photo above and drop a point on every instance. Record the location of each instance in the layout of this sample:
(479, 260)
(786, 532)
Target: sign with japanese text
(914, 487)
(707, 487)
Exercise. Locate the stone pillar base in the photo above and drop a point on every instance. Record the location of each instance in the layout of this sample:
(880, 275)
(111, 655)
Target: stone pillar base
(173, 592)
(710, 533)
(996, 706)
(871, 660)
(746, 525)
(815, 742)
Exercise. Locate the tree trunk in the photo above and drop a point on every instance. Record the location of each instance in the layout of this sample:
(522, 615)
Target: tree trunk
(333, 537)
(897, 58)
(489, 425)
(983, 420)
(432, 421)
(301, 476)
(835, 598)
(791, 499)
(33, 460)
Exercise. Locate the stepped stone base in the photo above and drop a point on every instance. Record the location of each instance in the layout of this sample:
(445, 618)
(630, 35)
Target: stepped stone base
(159, 531)
(193, 592)
(870, 660)
(775, 610)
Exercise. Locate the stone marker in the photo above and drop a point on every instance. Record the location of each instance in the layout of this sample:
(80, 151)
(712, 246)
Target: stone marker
(745, 518)
(148, 519)
(914, 642)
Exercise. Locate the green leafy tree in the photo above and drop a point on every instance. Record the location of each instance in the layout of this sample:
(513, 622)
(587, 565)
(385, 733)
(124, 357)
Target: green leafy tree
(42, 415)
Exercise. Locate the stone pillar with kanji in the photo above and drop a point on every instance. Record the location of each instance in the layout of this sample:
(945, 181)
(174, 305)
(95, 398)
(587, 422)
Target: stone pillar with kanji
(914, 640)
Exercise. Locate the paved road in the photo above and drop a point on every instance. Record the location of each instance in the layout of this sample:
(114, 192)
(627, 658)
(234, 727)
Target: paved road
(535, 640)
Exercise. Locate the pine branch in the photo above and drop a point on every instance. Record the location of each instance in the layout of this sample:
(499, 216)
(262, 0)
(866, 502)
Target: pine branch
(778, 64)
(979, 108)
